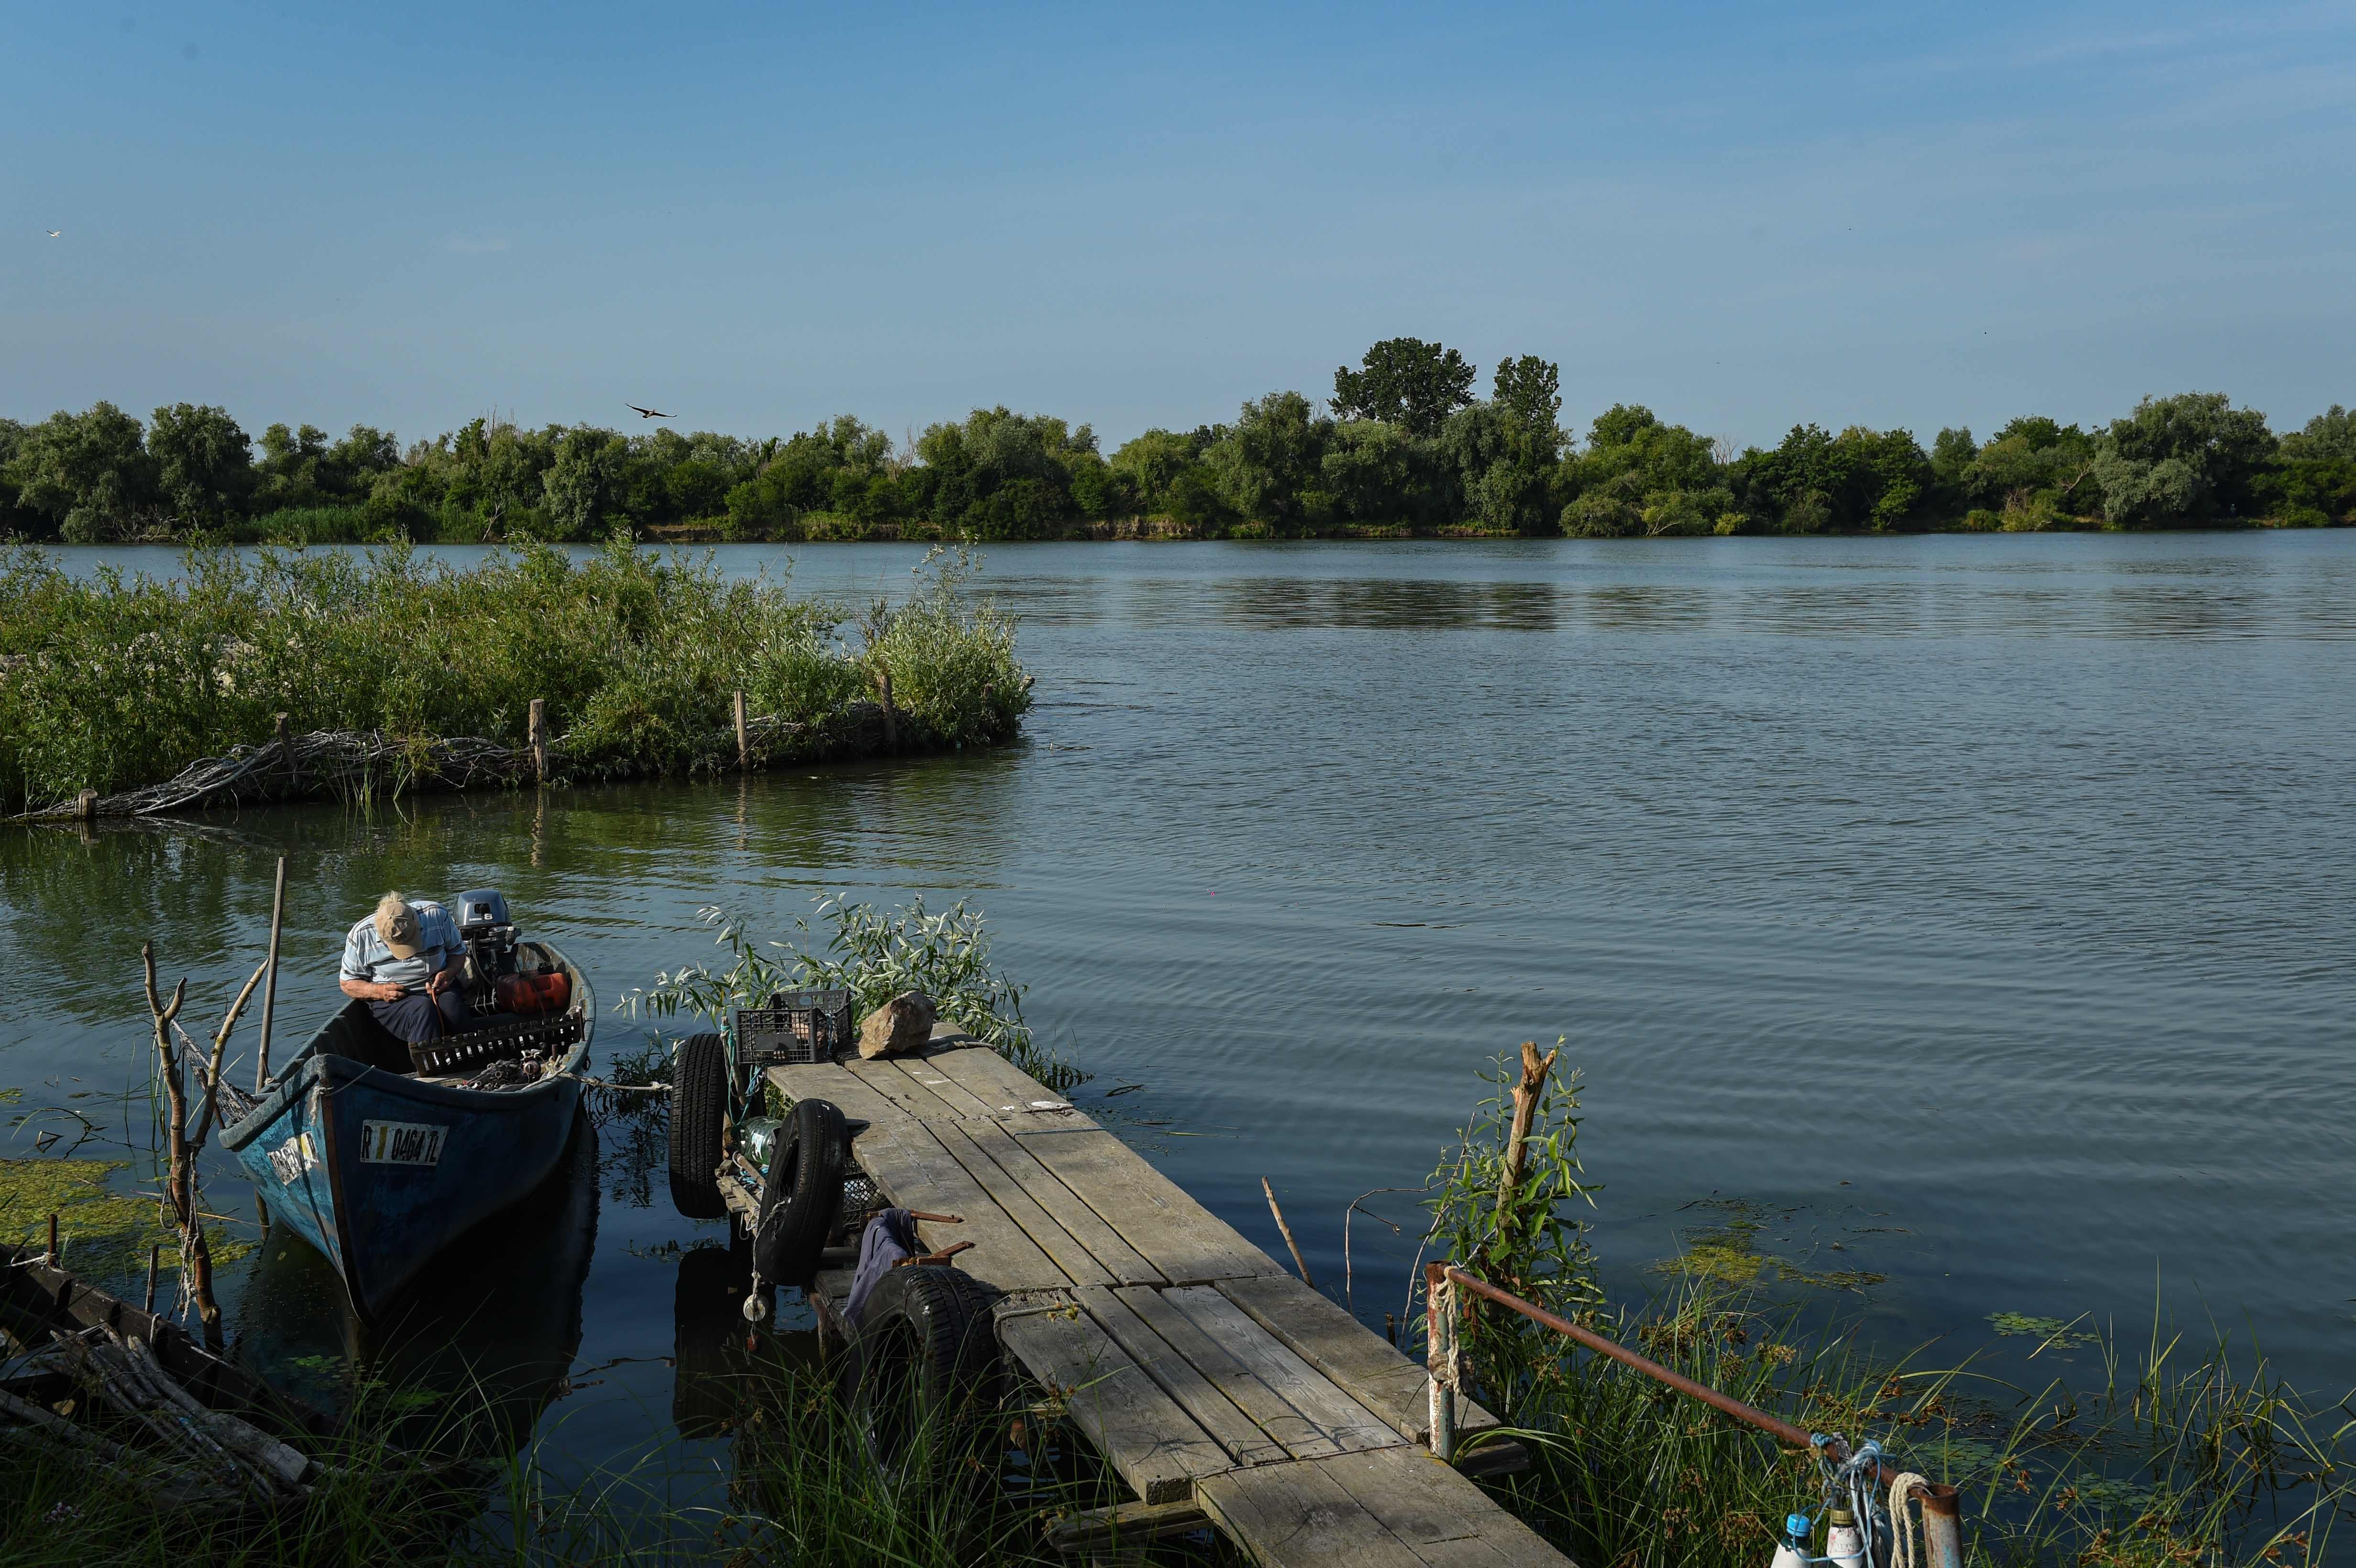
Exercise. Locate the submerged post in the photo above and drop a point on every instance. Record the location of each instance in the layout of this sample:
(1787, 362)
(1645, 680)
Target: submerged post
(86, 806)
(537, 733)
(286, 756)
(743, 738)
(1439, 1356)
(269, 984)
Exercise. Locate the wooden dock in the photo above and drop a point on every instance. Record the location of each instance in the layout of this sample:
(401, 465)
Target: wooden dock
(1207, 1377)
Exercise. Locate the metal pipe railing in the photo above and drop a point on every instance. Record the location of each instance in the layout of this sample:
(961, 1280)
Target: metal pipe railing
(1942, 1504)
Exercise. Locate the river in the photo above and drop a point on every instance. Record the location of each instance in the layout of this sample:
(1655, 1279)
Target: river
(1967, 911)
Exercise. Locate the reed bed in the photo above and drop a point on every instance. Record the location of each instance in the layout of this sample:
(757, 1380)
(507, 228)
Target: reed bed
(110, 682)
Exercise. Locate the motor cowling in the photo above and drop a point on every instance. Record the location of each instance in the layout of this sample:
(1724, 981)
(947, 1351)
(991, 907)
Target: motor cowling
(489, 934)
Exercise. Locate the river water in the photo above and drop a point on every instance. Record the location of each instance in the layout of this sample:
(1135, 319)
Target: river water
(1967, 911)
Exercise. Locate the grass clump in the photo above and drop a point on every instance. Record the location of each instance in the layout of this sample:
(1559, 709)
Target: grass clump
(110, 682)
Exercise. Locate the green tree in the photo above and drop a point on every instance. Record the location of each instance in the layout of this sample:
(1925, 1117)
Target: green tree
(87, 474)
(204, 463)
(2189, 458)
(2331, 434)
(1501, 464)
(1531, 389)
(1377, 473)
(1406, 382)
(1270, 465)
(585, 482)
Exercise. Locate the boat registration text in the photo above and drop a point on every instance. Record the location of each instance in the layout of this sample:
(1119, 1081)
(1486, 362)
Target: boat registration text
(400, 1143)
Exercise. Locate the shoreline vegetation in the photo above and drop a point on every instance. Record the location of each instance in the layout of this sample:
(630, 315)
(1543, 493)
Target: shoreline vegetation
(1403, 448)
(390, 672)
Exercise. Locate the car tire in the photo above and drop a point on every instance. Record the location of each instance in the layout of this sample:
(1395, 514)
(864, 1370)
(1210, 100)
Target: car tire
(800, 1193)
(699, 1112)
(925, 1352)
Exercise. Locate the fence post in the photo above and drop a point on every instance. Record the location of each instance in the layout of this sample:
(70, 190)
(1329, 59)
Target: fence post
(537, 732)
(86, 806)
(1439, 1356)
(286, 757)
(744, 739)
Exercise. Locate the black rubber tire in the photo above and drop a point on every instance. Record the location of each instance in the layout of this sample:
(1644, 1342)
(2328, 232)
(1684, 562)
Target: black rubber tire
(800, 1193)
(924, 1353)
(699, 1110)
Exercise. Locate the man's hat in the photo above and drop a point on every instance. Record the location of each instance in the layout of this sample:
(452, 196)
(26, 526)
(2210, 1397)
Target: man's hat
(396, 926)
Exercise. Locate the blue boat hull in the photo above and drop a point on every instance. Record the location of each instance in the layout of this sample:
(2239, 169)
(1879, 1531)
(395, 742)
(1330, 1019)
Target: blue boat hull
(380, 1169)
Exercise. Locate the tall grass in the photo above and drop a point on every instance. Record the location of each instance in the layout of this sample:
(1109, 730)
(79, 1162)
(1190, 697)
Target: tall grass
(110, 682)
(2189, 1451)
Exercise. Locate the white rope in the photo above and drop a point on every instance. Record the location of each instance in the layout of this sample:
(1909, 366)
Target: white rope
(1906, 1489)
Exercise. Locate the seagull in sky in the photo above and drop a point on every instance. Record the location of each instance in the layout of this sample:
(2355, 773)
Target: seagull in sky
(55, 232)
(647, 413)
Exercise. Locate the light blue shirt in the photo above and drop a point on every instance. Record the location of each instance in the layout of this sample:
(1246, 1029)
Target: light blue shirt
(366, 957)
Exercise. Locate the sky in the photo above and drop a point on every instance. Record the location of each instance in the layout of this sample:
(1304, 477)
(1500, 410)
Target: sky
(758, 217)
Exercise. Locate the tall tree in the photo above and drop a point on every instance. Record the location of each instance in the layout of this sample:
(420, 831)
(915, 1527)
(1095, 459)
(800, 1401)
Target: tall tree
(204, 463)
(1405, 381)
(2187, 458)
(89, 473)
(1531, 389)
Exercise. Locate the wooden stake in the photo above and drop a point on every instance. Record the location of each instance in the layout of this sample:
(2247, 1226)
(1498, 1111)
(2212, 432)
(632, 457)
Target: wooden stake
(743, 737)
(52, 1258)
(891, 716)
(86, 805)
(1535, 1068)
(1287, 1229)
(155, 1260)
(537, 732)
(269, 985)
(286, 758)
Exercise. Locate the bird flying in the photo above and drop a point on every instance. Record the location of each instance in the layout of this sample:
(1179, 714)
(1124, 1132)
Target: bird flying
(55, 232)
(647, 413)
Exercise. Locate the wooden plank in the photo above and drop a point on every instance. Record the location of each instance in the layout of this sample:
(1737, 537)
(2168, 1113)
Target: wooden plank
(1079, 1266)
(1119, 1261)
(915, 1172)
(1230, 1369)
(1297, 1516)
(1324, 1334)
(1134, 1424)
(828, 1080)
(1308, 1391)
(1445, 1520)
(996, 1081)
(885, 1078)
(1211, 1410)
(961, 1101)
(1177, 1235)
(1125, 1524)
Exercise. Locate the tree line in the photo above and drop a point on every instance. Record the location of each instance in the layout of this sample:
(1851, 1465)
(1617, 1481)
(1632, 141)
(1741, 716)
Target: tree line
(1405, 445)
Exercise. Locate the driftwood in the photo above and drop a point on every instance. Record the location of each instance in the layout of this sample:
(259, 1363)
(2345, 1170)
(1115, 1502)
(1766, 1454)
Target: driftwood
(348, 765)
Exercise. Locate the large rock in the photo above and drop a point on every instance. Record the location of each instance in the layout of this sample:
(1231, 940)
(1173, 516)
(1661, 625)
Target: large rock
(901, 1025)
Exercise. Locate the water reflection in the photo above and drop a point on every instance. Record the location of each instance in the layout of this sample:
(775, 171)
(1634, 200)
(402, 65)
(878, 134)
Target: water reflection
(487, 1334)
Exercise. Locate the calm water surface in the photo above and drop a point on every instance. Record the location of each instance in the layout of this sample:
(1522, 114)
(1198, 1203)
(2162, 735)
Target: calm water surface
(1973, 909)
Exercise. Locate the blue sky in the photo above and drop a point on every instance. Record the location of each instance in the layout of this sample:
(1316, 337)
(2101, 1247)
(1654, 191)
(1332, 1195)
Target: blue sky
(761, 216)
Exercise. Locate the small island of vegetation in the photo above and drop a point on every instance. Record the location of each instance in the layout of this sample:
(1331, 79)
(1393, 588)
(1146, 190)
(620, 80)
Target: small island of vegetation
(1402, 448)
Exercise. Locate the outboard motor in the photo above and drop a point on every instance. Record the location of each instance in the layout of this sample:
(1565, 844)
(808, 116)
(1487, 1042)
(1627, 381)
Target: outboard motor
(490, 938)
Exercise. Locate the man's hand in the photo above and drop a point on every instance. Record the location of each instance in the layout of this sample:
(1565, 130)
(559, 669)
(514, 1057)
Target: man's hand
(438, 983)
(385, 991)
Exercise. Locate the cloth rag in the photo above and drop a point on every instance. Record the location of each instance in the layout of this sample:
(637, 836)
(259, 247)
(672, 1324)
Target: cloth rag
(890, 1236)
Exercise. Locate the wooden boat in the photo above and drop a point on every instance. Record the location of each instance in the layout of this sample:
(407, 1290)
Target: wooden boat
(379, 1159)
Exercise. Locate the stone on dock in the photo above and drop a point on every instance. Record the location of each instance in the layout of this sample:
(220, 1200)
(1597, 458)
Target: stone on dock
(901, 1025)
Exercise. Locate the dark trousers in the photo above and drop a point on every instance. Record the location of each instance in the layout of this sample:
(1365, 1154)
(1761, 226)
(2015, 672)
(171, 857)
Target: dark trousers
(420, 1019)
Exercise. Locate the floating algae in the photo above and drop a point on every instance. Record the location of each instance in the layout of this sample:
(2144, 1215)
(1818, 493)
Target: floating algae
(102, 1232)
(1729, 1252)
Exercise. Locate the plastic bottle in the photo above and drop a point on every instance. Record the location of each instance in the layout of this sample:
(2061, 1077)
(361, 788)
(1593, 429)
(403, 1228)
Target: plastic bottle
(1843, 1543)
(1792, 1552)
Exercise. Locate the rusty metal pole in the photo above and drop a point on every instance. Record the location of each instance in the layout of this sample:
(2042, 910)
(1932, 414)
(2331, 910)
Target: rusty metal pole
(1943, 1525)
(1439, 1356)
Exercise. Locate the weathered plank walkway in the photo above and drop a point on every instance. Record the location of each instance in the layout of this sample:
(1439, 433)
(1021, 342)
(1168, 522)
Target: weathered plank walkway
(1200, 1369)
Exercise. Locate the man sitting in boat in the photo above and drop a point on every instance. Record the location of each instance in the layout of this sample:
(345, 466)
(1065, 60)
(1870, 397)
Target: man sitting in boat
(406, 962)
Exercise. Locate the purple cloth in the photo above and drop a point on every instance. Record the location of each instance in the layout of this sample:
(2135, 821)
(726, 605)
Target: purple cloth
(890, 1236)
(420, 1019)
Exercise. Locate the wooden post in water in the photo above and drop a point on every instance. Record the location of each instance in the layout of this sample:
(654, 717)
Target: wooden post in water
(1526, 1094)
(51, 1257)
(286, 758)
(86, 806)
(890, 719)
(155, 1257)
(743, 737)
(270, 982)
(1298, 1262)
(538, 734)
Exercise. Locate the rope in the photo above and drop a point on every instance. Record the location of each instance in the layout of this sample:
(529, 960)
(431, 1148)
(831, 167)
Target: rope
(1908, 1487)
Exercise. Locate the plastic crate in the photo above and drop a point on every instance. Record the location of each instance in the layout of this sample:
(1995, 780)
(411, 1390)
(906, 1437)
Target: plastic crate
(794, 1029)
